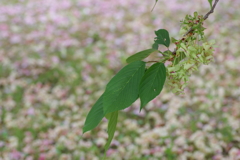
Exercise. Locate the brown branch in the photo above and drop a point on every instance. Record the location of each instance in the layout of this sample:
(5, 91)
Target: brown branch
(211, 11)
(205, 17)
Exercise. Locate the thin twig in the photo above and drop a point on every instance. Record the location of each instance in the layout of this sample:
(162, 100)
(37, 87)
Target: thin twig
(154, 5)
(151, 61)
(212, 10)
(205, 17)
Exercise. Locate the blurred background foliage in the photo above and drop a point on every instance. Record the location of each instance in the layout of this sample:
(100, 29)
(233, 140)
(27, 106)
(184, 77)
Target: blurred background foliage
(57, 56)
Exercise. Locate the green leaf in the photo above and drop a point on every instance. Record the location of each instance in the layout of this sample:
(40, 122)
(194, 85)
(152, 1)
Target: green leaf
(152, 83)
(123, 88)
(167, 53)
(108, 116)
(155, 46)
(173, 40)
(179, 58)
(112, 123)
(210, 2)
(195, 14)
(94, 116)
(162, 37)
(140, 55)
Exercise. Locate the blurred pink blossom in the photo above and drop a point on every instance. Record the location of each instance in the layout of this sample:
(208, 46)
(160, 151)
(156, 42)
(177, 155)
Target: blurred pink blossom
(16, 155)
(31, 111)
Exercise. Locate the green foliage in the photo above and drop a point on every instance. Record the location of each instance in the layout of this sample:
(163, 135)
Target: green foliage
(123, 89)
(189, 54)
(170, 154)
(180, 57)
(140, 55)
(162, 37)
(134, 80)
(155, 45)
(152, 83)
(111, 128)
(94, 116)
(107, 116)
(52, 76)
(18, 94)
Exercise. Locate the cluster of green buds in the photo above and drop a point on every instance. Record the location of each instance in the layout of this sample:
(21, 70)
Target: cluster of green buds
(191, 51)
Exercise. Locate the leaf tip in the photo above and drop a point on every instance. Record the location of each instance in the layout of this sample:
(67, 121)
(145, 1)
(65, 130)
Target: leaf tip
(141, 107)
(84, 130)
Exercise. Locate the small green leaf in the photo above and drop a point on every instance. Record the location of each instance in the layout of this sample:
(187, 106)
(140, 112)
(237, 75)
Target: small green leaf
(179, 58)
(94, 116)
(210, 2)
(162, 37)
(112, 123)
(195, 14)
(167, 53)
(123, 88)
(140, 55)
(152, 83)
(173, 40)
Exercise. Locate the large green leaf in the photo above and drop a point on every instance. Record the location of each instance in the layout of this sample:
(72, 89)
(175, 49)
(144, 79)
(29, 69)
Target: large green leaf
(107, 116)
(94, 116)
(155, 46)
(123, 88)
(162, 37)
(152, 83)
(112, 123)
(140, 55)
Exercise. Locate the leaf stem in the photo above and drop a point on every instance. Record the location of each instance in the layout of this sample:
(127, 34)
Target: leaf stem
(154, 5)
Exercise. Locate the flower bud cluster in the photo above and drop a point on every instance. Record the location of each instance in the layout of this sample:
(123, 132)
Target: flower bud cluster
(190, 53)
(195, 22)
